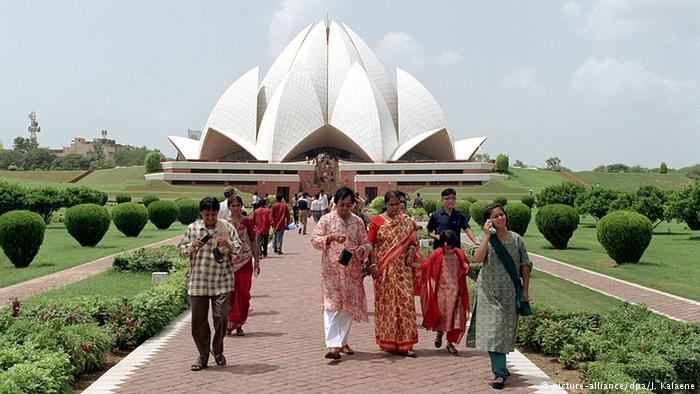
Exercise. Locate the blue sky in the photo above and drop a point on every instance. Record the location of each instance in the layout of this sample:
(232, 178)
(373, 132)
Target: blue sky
(592, 82)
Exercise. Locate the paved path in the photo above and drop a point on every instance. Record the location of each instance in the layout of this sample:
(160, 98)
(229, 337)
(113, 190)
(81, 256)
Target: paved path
(669, 305)
(283, 349)
(61, 278)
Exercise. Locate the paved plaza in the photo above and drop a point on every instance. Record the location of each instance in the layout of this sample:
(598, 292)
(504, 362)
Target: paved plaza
(283, 349)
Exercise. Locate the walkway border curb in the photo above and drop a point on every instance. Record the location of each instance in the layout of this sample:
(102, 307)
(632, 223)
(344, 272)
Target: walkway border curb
(118, 374)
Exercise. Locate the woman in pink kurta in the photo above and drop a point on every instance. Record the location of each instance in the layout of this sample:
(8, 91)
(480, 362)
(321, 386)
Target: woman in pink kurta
(341, 285)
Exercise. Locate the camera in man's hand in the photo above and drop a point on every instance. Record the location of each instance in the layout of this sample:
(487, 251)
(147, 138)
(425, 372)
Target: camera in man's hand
(218, 256)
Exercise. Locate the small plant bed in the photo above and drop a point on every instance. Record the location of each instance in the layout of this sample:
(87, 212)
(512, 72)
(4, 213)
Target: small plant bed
(60, 251)
(111, 283)
(51, 339)
(670, 264)
(627, 345)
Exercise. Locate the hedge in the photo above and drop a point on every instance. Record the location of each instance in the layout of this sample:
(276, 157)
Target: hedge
(518, 217)
(52, 341)
(147, 259)
(87, 223)
(625, 235)
(130, 218)
(123, 197)
(477, 211)
(628, 344)
(21, 236)
(162, 213)
(188, 210)
(148, 199)
(557, 222)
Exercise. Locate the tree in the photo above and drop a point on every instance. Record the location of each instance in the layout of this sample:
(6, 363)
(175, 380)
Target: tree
(71, 162)
(152, 162)
(649, 200)
(130, 156)
(482, 157)
(596, 201)
(553, 164)
(501, 163)
(563, 193)
(684, 206)
(519, 164)
(663, 168)
(24, 144)
(38, 159)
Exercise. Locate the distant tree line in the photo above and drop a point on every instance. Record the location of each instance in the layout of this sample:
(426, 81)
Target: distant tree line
(27, 155)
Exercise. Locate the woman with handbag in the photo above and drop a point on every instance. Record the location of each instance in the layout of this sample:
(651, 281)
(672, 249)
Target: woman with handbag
(342, 238)
(501, 291)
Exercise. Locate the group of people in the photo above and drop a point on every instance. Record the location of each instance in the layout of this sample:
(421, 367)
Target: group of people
(224, 255)
(391, 252)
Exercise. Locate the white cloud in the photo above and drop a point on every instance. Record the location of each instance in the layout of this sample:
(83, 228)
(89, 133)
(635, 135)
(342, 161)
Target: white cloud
(624, 18)
(448, 58)
(290, 19)
(570, 8)
(520, 80)
(612, 80)
(401, 49)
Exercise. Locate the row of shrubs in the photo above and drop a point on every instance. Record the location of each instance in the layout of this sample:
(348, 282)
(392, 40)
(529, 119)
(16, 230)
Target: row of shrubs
(47, 344)
(629, 344)
(22, 232)
(46, 200)
(651, 201)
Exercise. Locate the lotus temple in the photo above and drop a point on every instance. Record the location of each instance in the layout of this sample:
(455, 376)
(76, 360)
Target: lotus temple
(328, 96)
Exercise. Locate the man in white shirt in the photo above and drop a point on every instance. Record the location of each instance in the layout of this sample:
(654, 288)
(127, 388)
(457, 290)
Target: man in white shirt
(224, 212)
(325, 208)
(316, 208)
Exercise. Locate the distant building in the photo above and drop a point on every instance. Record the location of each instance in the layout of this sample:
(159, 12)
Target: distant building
(80, 146)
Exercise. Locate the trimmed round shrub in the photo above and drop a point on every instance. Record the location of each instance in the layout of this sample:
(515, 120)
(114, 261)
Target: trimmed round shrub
(463, 206)
(162, 213)
(557, 222)
(477, 211)
(471, 199)
(377, 204)
(123, 197)
(87, 223)
(518, 217)
(528, 200)
(148, 199)
(430, 206)
(501, 200)
(188, 210)
(85, 195)
(624, 235)
(130, 218)
(21, 235)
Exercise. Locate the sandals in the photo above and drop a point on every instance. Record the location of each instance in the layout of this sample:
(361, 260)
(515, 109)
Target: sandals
(239, 331)
(498, 383)
(451, 349)
(347, 350)
(334, 353)
(220, 359)
(438, 340)
(199, 365)
(230, 327)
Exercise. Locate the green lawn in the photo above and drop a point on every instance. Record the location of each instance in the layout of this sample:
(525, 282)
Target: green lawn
(519, 184)
(671, 263)
(117, 180)
(60, 251)
(109, 283)
(631, 181)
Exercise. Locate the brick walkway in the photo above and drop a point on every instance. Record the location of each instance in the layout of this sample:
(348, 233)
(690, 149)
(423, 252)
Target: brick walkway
(58, 279)
(283, 349)
(662, 303)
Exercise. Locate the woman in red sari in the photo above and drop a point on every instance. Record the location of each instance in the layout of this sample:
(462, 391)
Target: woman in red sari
(444, 295)
(239, 298)
(396, 271)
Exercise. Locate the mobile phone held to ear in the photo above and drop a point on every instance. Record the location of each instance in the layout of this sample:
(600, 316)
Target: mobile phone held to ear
(345, 257)
(491, 229)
